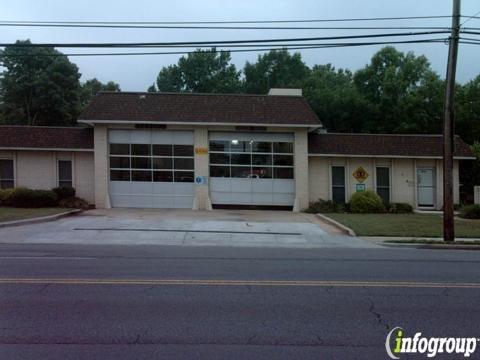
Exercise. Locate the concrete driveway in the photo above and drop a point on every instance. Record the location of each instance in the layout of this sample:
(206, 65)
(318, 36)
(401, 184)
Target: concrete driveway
(248, 228)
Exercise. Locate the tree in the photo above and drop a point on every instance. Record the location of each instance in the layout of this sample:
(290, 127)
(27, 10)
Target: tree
(152, 88)
(468, 111)
(40, 86)
(277, 68)
(333, 96)
(404, 93)
(206, 71)
(91, 87)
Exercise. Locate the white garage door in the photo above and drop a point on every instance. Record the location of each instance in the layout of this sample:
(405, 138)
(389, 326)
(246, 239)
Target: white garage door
(251, 169)
(151, 168)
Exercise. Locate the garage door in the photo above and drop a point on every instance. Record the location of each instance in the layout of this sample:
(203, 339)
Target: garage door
(251, 169)
(151, 168)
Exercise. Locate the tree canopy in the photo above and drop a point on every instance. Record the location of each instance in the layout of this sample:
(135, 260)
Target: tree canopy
(395, 92)
(400, 89)
(335, 99)
(200, 71)
(91, 87)
(277, 68)
(38, 87)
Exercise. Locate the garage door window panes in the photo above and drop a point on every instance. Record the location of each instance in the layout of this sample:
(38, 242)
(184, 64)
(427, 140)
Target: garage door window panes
(147, 163)
(251, 159)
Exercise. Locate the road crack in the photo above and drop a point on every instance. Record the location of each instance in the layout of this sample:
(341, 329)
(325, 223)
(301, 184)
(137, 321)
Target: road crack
(377, 315)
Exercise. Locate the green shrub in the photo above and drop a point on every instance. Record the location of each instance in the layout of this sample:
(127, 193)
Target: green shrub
(23, 197)
(323, 206)
(366, 202)
(5, 196)
(74, 203)
(470, 212)
(400, 208)
(64, 192)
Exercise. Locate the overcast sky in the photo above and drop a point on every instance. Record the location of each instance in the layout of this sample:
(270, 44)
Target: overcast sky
(137, 73)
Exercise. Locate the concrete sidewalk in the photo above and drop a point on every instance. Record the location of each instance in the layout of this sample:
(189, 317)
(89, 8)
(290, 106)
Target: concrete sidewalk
(186, 228)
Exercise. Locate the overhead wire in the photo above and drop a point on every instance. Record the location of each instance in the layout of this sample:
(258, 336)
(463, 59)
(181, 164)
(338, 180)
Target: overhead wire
(277, 47)
(215, 42)
(232, 22)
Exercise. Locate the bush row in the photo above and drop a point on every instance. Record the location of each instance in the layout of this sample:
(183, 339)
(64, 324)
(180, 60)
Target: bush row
(368, 202)
(30, 198)
(361, 203)
(470, 212)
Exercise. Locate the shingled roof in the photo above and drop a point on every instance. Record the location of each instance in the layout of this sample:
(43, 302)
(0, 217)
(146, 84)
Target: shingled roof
(383, 145)
(200, 108)
(45, 137)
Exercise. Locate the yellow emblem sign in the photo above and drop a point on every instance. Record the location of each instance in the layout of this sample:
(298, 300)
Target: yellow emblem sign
(360, 174)
(201, 150)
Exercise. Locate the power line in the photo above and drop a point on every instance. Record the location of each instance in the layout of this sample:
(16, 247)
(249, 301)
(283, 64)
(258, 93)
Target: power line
(470, 18)
(213, 43)
(278, 47)
(104, 26)
(231, 22)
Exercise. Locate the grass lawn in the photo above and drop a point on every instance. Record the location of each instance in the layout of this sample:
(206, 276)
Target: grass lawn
(11, 214)
(415, 225)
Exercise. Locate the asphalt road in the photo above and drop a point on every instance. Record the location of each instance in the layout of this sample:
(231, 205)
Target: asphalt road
(161, 302)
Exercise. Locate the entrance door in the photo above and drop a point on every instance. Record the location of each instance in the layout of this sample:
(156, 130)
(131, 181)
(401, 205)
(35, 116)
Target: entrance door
(426, 187)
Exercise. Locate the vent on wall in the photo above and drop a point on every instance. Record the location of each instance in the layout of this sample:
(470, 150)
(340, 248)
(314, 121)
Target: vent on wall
(150, 126)
(251, 128)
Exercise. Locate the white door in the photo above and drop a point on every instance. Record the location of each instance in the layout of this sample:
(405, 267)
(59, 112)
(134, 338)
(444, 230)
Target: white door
(426, 187)
(251, 169)
(151, 168)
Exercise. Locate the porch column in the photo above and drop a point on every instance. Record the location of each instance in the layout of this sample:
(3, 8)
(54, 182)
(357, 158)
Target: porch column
(301, 170)
(102, 199)
(202, 199)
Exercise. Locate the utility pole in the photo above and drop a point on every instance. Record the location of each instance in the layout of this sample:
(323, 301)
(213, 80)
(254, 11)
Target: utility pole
(449, 128)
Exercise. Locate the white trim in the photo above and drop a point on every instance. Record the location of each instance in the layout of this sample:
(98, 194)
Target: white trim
(42, 149)
(196, 123)
(392, 156)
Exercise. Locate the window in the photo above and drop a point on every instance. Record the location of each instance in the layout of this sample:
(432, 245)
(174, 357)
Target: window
(383, 184)
(251, 159)
(6, 174)
(65, 173)
(119, 149)
(283, 147)
(119, 175)
(220, 171)
(151, 162)
(338, 184)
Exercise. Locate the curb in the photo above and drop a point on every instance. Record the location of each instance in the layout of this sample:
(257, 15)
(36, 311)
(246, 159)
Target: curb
(432, 246)
(338, 225)
(40, 219)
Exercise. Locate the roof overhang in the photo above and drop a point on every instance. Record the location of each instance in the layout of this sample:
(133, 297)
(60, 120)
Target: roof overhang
(392, 156)
(196, 123)
(19, 148)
